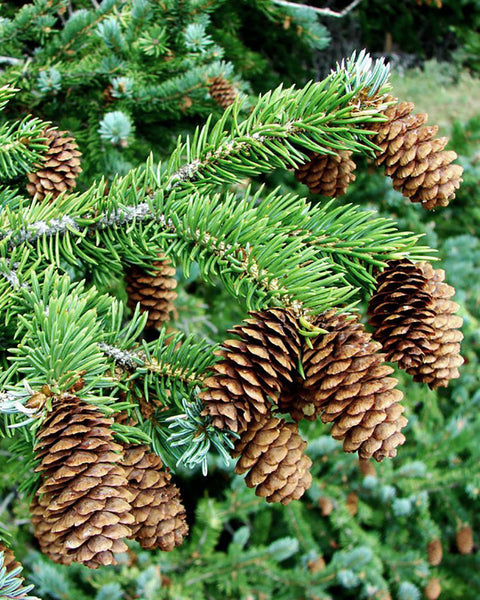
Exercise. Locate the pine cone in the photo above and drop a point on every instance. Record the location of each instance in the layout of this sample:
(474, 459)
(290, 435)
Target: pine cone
(464, 539)
(157, 509)
(415, 160)
(348, 384)
(367, 468)
(271, 450)
(253, 368)
(441, 364)
(327, 174)
(401, 311)
(82, 509)
(155, 293)
(9, 561)
(433, 589)
(222, 91)
(59, 169)
(434, 552)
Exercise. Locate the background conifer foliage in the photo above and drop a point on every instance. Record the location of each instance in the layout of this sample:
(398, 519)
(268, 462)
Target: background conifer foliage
(231, 364)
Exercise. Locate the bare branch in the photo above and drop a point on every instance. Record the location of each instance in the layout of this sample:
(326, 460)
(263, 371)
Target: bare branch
(325, 12)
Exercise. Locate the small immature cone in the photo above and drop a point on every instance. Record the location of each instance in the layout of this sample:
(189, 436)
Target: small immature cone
(81, 512)
(222, 91)
(414, 158)
(434, 552)
(367, 467)
(155, 292)
(60, 167)
(352, 503)
(9, 561)
(347, 383)
(441, 363)
(433, 589)
(255, 367)
(271, 450)
(464, 539)
(325, 504)
(157, 509)
(326, 174)
(401, 312)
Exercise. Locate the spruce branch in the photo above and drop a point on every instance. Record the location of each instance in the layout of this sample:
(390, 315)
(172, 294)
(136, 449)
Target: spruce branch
(12, 584)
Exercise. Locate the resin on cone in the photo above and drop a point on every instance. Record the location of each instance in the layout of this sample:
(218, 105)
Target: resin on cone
(82, 511)
(272, 452)
(327, 174)
(155, 292)
(414, 158)
(348, 384)
(157, 509)
(254, 368)
(60, 167)
(222, 91)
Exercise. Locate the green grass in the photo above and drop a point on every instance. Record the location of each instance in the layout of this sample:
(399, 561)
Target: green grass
(442, 91)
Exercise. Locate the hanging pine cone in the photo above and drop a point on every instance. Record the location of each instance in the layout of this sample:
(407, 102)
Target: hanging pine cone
(434, 552)
(9, 561)
(254, 367)
(222, 91)
(59, 169)
(271, 450)
(327, 174)
(433, 589)
(401, 311)
(441, 364)
(366, 468)
(414, 158)
(347, 383)
(157, 509)
(464, 539)
(82, 509)
(155, 292)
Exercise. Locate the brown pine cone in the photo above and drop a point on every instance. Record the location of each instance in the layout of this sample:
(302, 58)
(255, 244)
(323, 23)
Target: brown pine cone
(441, 363)
(327, 174)
(82, 509)
(60, 167)
(434, 552)
(366, 468)
(254, 368)
(9, 561)
(464, 539)
(347, 383)
(222, 91)
(414, 158)
(433, 589)
(401, 312)
(157, 509)
(155, 292)
(271, 450)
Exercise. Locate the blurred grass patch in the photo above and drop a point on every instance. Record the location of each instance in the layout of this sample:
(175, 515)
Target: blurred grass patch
(442, 90)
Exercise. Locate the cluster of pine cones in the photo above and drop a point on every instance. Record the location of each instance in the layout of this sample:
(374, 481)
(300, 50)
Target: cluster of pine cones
(95, 492)
(345, 379)
(412, 156)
